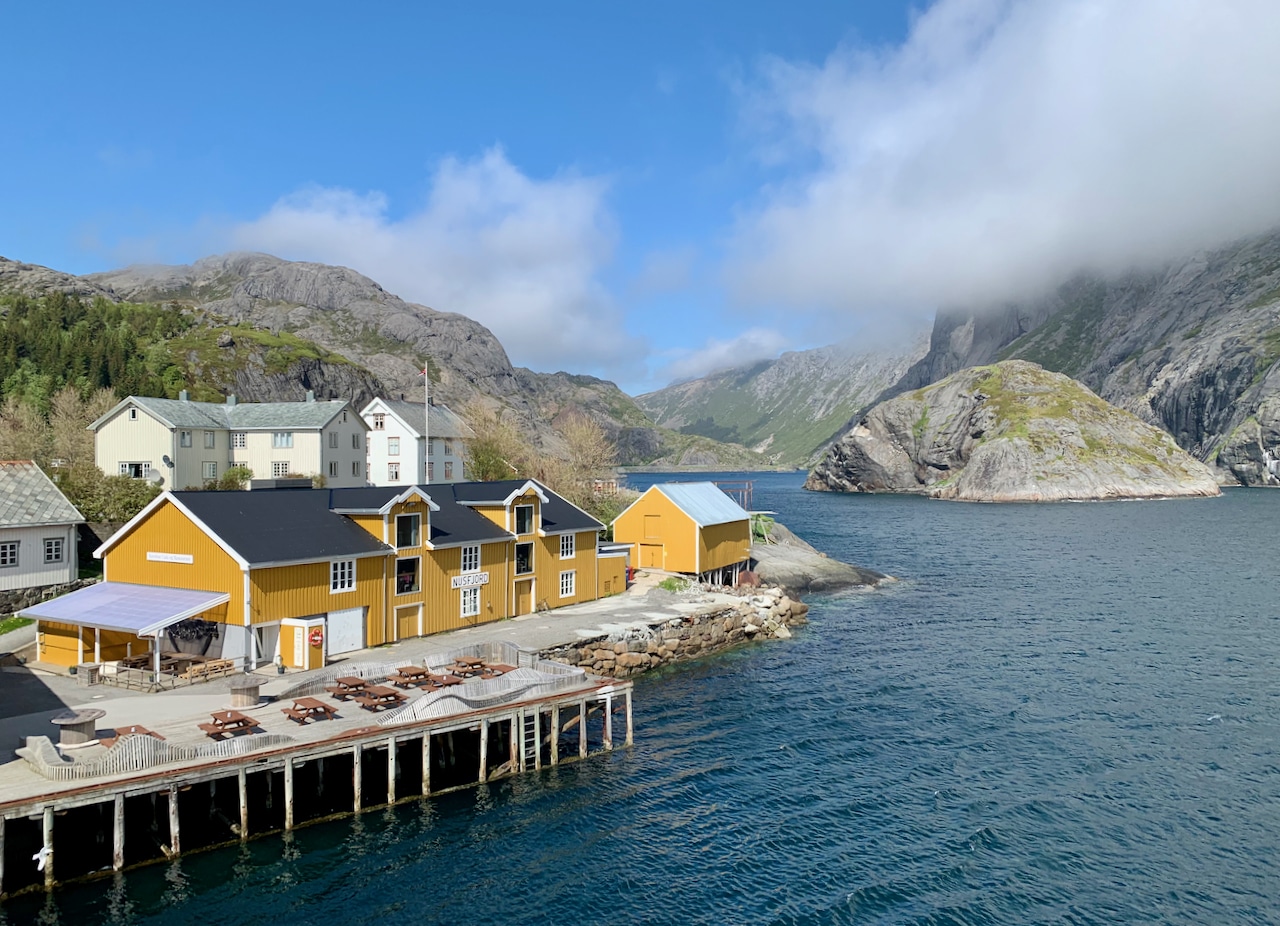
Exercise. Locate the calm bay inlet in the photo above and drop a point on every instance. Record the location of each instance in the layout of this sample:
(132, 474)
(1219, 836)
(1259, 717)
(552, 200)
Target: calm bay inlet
(1061, 713)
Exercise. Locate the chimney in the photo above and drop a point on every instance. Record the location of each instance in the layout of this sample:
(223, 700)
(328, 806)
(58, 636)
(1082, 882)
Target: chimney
(184, 396)
(311, 395)
(231, 400)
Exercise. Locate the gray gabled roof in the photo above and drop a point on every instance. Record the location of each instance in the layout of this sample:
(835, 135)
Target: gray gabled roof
(29, 498)
(704, 502)
(246, 416)
(442, 422)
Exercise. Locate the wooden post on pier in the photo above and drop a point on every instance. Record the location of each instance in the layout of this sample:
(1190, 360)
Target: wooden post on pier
(117, 833)
(582, 729)
(175, 838)
(242, 780)
(48, 846)
(630, 727)
(1, 856)
(484, 751)
(608, 721)
(555, 735)
(537, 737)
(426, 763)
(391, 770)
(288, 793)
(514, 738)
(357, 782)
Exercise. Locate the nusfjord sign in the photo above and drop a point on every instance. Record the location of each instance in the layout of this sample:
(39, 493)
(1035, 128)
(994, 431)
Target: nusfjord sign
(184, 558)
(470, 581)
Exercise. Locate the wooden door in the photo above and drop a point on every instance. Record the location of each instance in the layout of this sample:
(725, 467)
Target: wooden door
(651, 555)
(407, 622)
(524, 597)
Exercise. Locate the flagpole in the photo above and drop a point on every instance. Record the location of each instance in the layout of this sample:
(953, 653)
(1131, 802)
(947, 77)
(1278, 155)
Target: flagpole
(426, 421)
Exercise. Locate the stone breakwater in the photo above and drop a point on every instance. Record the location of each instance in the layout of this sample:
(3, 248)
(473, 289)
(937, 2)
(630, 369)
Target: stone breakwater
(761, 613)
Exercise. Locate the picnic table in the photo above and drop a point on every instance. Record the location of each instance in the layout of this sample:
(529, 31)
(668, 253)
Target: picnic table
(228, 723)
(131, 730)
(345, 687)
(408, 676)
(377, 697)
(307, 709)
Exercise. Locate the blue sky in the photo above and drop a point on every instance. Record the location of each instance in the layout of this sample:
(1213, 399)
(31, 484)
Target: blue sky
(649, 192)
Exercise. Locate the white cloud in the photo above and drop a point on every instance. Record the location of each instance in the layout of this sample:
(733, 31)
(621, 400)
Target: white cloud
(1008, 144)
(665, 272)
(519, 255)
(752, 345)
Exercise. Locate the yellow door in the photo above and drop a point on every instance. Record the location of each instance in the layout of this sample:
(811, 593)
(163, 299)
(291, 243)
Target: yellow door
(651, 555)
(407, 622)
(524, 597)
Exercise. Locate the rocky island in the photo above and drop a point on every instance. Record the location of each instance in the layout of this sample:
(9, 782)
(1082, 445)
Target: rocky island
(1009, 432)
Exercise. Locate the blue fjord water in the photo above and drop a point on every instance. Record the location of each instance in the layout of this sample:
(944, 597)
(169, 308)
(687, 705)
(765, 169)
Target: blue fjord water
(1062, 713)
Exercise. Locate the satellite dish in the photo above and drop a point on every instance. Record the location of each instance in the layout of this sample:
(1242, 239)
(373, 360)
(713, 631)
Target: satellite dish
(166, 461)
(155, 477)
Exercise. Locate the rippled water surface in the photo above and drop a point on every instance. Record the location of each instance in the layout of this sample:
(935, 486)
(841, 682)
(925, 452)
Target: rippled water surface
(1062, 713)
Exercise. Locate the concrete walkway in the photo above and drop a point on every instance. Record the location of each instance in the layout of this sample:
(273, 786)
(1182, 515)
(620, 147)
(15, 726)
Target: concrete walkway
(29, 697)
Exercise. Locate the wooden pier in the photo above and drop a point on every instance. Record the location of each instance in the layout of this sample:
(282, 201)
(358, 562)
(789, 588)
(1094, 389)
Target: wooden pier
(81, 827)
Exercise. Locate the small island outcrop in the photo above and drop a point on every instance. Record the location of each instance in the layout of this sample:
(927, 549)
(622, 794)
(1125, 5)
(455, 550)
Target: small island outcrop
(1009, 432)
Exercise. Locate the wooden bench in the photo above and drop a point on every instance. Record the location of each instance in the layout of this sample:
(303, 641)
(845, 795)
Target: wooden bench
(210, 669)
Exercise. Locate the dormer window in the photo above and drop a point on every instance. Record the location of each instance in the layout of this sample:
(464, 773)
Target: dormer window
(408, 530)
(524, 519)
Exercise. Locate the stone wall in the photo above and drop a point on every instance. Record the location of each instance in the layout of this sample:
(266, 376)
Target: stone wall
(763, 613)
(14, 601)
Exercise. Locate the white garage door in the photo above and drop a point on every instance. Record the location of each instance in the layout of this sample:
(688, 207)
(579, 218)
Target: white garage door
(346, 631)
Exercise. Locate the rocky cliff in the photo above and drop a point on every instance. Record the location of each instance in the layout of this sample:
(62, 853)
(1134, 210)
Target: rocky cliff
(1011, 431)
(786, 409)
(1190, 347)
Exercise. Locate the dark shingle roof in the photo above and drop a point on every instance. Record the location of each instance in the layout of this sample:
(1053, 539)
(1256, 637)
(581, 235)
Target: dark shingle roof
(280, 525)
(557, 514)
(452, 524)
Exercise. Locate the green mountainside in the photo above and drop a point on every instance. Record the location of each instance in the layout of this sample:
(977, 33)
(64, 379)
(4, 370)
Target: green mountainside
(786, 409)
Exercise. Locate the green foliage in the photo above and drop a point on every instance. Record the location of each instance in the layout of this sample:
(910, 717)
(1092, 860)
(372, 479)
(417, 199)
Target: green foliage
(761, 527)
(921, 424)
(674, 584)
(105, 498)
(13, 622)
(237, 477)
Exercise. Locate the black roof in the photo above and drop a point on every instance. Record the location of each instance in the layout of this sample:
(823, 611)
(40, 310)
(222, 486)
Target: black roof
(453, 523)
(558, 515)
(280, 525)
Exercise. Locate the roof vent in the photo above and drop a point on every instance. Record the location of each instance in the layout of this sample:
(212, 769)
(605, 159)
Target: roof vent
(184, 396)
(231, 400)
(311, 395)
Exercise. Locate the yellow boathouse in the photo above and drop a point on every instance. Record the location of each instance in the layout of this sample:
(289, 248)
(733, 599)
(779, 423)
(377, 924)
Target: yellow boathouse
(689, 527)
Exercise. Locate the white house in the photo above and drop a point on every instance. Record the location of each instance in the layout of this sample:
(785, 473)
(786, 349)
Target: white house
(398, 452)
(179, 444)
(37, 529)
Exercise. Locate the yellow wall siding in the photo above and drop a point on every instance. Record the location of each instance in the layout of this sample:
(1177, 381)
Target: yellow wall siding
(114, 644)
(612, 575)
(303, 590)
(496, 514)
(374, 525)
(583, 562)
(167, 530)
(59, 643)
(675, 529)
(725, 544)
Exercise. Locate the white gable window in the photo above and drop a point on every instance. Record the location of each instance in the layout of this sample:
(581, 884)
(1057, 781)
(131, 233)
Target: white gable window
(53, 549)
(9, 553)
(407, 530)
(342, 575)
(239, 440)
(280, 469)
(184, 438)
(471, 558)
(379, 422)
(524, 519)
(135, 470)
(282, 440)
(470, 602)
(133, 414)
(566, 546)
(568, 581)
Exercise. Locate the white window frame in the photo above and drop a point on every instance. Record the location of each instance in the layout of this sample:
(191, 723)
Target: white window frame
(184, 438)
(126, 469)
(379, 422)
(279, 469)
(333, 467)
(518, 509)
(393, 446)
(471, 602)
(58, 545)
(568, 546)
(355, 467)
(281, 440)
(431, 472)
(471, 558)
(9, 553)
(448, 448)
(448, 469)
(210, 440)
(333, 440)
(209, 470)
(239, 440)
(342, 575)
(355, 441)
(393, 472)
(417, 530)
(133, 414)
(514, 565)
(568, 583)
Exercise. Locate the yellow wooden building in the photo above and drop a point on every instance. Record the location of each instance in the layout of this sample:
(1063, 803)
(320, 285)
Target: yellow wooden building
(688, 527)
(269, 572)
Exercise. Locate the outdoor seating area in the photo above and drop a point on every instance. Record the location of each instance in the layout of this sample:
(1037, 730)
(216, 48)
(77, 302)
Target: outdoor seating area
(471, 667)
(378, 698)
(228, 723)
(176, 670)
(131, 730)
(305, 710)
